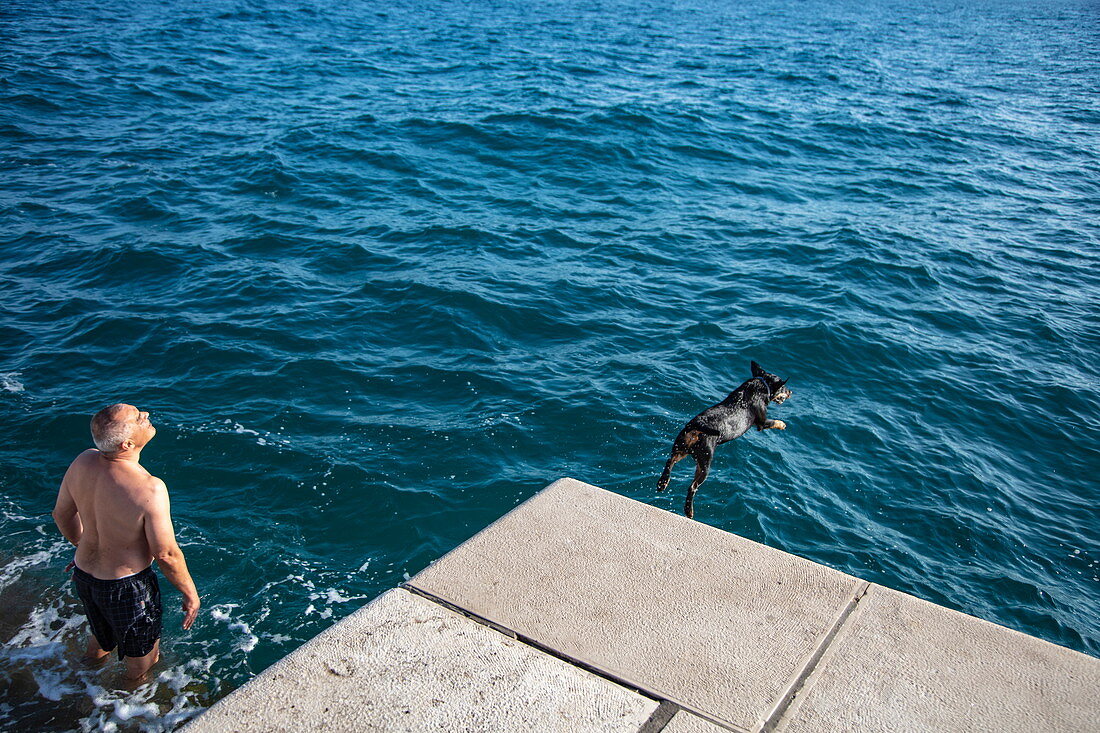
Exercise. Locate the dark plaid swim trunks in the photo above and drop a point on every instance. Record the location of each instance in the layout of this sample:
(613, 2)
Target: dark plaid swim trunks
(124, 612)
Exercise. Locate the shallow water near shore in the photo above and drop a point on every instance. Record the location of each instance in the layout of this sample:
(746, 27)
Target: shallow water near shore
(381, 272)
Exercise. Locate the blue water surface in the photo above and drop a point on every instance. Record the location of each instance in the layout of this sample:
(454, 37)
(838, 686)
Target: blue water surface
(381, 271)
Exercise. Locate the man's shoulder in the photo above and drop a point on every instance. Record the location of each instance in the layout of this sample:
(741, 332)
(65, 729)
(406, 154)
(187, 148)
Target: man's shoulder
(152, 484)
(86, 457)
(138, 482)
(149, 493)
(82, 465)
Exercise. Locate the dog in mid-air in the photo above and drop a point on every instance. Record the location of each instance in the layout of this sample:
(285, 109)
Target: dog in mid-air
(731, 418)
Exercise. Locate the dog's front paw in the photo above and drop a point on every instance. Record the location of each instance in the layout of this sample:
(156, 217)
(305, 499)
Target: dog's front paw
(779, 425)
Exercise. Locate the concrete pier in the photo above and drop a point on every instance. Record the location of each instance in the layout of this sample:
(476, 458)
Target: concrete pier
(582, 610)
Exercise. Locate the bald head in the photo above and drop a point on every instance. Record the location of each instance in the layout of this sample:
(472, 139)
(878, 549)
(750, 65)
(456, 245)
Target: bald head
(114, 426)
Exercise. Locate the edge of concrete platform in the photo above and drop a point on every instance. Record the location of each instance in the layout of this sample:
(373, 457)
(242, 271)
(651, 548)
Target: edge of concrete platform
(577, 541)
(671, 625)
(949, 670)
(404, 663)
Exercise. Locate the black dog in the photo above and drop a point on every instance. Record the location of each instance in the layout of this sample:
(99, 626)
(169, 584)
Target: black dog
(731, 418)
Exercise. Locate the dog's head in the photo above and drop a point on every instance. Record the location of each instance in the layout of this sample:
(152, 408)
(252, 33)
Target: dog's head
(778, 386)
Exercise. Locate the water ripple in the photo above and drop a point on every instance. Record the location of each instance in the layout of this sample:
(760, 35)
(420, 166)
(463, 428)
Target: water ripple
(381, 275)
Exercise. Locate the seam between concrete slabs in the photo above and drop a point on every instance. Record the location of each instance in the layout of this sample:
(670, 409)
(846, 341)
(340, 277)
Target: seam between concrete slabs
(464, 612)
(798, 682)
(660, 718)
(611, 677)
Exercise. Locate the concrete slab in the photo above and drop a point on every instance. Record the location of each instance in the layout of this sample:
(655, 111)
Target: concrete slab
(904, 664)
(711, 621)
(685, 722)
(403, 663)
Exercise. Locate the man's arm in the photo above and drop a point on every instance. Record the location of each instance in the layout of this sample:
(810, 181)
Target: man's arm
(65, 515)
(162, 544)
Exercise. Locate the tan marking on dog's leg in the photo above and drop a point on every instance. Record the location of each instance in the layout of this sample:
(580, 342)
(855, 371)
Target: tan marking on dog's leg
(662, 483)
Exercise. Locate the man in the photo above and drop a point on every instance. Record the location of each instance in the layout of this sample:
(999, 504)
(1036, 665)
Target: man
(117, 515)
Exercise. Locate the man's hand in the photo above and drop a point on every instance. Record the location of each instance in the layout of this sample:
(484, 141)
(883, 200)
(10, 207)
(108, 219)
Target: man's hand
(190, 610)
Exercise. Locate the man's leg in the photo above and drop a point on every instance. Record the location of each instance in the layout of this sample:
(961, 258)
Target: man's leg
(94, 653)
(136, 667)
(99, 626)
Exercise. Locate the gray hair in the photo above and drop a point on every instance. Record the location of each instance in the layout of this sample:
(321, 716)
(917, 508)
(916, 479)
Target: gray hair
(110, 430)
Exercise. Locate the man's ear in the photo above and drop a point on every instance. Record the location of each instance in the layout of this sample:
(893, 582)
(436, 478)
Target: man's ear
(756, 370)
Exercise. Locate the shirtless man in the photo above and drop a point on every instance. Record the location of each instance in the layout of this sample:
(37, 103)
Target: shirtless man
(117, 515)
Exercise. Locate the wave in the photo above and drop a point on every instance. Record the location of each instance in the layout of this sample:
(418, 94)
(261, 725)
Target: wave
(381, 276)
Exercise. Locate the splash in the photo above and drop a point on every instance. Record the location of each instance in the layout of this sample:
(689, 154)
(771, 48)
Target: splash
(43, 674)
(10, 383)
(246, 640)
(14, 569)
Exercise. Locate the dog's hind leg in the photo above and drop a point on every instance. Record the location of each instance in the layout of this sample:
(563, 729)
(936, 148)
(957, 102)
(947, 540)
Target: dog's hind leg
(662, 483)
(703, 455)
(681, 447)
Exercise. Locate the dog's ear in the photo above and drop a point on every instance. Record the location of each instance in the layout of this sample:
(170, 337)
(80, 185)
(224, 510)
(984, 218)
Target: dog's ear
(756, 370)
(783, 383)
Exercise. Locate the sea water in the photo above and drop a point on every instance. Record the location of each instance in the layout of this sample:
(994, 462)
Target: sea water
(381, 271)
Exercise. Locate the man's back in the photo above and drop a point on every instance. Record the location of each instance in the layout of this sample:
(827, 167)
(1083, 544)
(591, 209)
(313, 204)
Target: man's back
(111, 498)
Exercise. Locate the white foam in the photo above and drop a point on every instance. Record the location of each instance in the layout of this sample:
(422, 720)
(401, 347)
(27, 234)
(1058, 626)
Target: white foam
(334, 596)
(9, 383)
(52, 683)
(125, 711)
(42, 635)
(262, 592)
(247, 641)
(46, 647)
(39, 645)
(35, 652)
(261, 437)
(11, 572)
(221, 612)
(119, 706)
